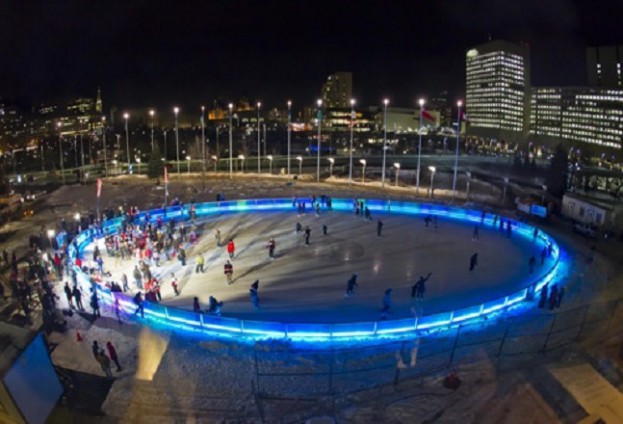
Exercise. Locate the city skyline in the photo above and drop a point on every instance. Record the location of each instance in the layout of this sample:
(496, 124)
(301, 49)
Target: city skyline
(157, 55)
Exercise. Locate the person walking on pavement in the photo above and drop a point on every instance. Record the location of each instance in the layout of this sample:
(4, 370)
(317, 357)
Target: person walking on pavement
(104, 362)
(138, 277)
(217, 237)
(124, 281)
(476, 235)
(68, 294)
(307, 234)
(350, 285)
(253, 294)
(95, 349)
(112, 352)
(78, 298)
(231, 249)
(228, 269)
(387, 304)
(200, 262)
(379, 228)
(473, 261)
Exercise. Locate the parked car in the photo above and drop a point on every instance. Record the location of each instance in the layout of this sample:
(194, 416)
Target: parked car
(587, 230)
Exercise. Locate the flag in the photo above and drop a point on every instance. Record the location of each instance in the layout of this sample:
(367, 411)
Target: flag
(353, 118)
(428, 116)
(465, 118)
(166, 175)
(99, 187)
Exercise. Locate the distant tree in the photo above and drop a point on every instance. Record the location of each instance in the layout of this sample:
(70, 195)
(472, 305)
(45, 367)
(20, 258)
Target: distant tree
(155, 167)
(556, 179)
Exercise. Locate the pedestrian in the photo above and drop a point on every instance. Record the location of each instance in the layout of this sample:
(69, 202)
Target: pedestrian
(350, 285)
(217, 237)
(181, 255)
(271, 248)
(553, 297)
(124, 282)
(174, 284)
(112, 352)
(95, 304)
(475, 235)
(138, 300)
(387, 303)
(228, 269)
(543, 297)
(418, 289)
(231, 249)
(138, 277)
(253, 294)
(307, 234)
(379, 228)
(196, 307)
(561, 293)
(78, 298)
(299, 227)
(200, 261)
(156, 290)
(104, 362)
(68, 294)
(325, 230)
(531, 263)
(543, 255)
(473, 261)
(368, 216)
(95, 349)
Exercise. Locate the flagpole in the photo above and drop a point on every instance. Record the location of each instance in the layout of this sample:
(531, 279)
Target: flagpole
(456, 158)
(319, 134)
(353, 116)
(385, 102)
(419, 151)
(289, 129)
(99, 192)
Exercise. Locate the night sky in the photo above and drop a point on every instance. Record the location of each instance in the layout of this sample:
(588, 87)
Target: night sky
(157, 53)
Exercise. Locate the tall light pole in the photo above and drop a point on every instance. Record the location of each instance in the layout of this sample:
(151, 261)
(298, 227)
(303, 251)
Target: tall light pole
(176, 110)
(151, 114)
(456, 157)
(289, 130)
(319, 116)
(259, 166)
(385, 103)
(270, 163)
(353, 116)
(331, 162)
(397, 166)
(432, 170)
(363, 174)
(419, 150)
(126, 116)
(300, 159)
(231, 142)
(60, 149)
(104, 141)
(203, 148)
(241, 157)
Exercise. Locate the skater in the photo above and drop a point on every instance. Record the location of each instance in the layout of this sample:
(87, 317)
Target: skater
(508, 229)
(196, 307)
(214, 306)
(427, 220)
(543, 255)
(124, 282)
(95, 304)
(174, 284)
(495, 220)
(253, 294)
(112, 352)
(299, 227)
(387, 303)
(501, 228)
(138, 277)
(368, 216)
(553, 297)
(68, 294)
(78, 298)
(473, 261)
(138, 300)
(350, 285)
(200, 261)
(561, 293)
(435, 223)
(228, 269)
(475, 235)
(217, 237)
(317, 209)
(379, 228)
(231, 248)
(307, 234)
(482, 217)
(543, 297)
(325, 230)
(181, 255)
(418, 289)
(531, 263)
(271, 248)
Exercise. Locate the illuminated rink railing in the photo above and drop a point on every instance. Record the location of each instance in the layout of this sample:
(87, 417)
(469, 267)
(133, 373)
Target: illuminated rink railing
(176, 318)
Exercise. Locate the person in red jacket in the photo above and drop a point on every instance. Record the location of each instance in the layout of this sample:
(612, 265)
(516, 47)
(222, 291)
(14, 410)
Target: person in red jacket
(231, 249)
(112, 352)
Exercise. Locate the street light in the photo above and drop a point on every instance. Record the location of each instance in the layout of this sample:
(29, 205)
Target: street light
(353, 117)
(241, 157)
(104, 142)
(138, 161)
(385, 103)
(151, 114)
(215, 159)
(231, 148)
(188, 158)
(397, 166)
(60, 149)
(176, 110)
(270, 163)
(300, 159)
(319, 116)
(432, 170)
(259, 166)
(363, 174)
(419, 150)
(456, 158)
(127, 139)
(51, 234)
(77, 216)
(331, 162)
(289, 129)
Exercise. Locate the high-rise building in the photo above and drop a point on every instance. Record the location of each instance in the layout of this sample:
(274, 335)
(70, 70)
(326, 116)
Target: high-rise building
(497, 90)
(578, 114)
(604, 66)
(337, 91)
